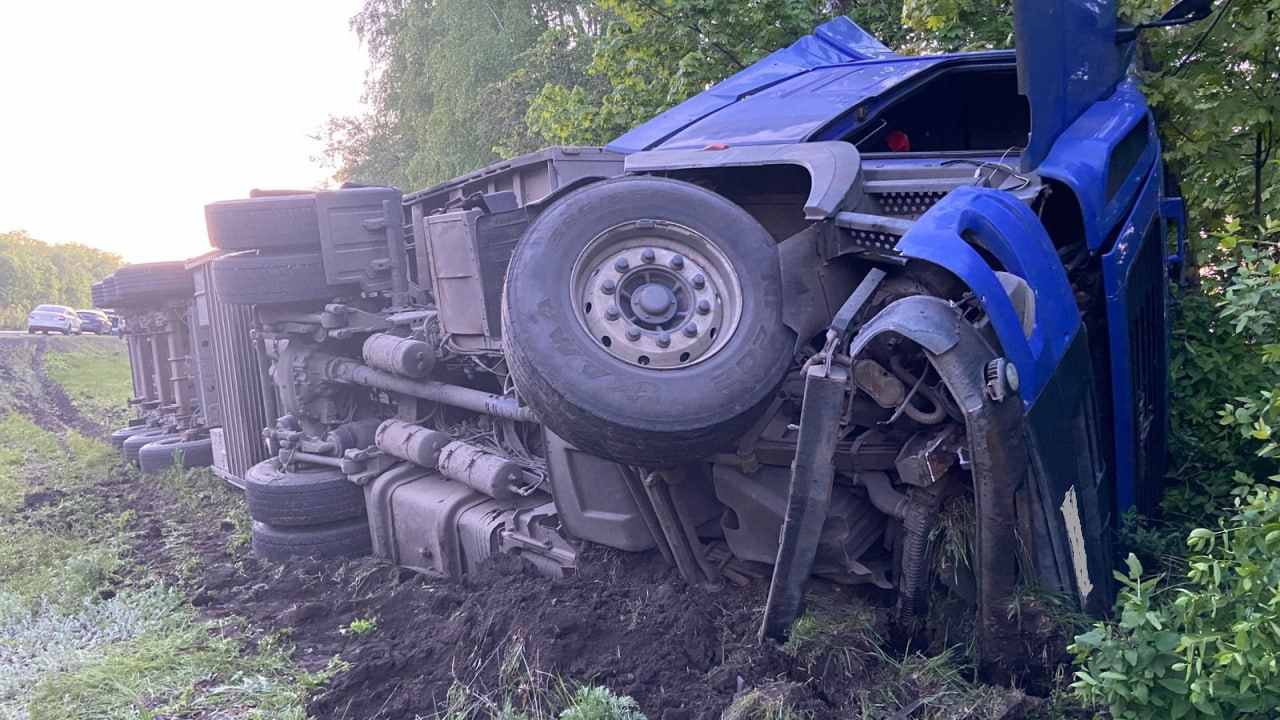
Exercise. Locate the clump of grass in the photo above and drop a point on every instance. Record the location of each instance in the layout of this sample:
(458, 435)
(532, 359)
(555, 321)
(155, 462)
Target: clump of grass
(599, 703)
(936, 687)
(361, 626)
(769, 702)
(523, 692)
(834, 636)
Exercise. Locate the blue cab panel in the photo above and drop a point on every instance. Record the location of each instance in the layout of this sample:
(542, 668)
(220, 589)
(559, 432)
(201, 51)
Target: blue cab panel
(1091, 132)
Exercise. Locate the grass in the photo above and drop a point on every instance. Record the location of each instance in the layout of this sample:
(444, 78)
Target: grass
(96, 377)
(523, 692)
(83, 633)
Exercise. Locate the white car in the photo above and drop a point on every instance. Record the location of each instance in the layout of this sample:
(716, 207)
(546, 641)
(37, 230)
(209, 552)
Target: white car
(53, 318)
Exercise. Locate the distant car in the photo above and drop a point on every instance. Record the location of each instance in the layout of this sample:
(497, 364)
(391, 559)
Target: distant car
(53, 318)
(94, 321)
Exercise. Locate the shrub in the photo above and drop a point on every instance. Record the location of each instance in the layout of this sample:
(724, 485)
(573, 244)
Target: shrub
(1209, 647)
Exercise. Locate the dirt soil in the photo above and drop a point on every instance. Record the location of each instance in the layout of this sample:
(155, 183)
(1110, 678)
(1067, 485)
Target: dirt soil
(625, 621)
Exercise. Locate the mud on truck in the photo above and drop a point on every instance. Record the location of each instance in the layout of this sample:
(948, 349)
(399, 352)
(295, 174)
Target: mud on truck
(837, 314)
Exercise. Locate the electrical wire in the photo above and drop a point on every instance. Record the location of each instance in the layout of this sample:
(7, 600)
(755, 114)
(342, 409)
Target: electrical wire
(1200, 41)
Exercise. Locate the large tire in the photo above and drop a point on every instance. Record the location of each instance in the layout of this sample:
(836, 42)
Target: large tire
(132, 444)
(160, 454)
(251, 278)
(135, 285)
(310, 496)
(343, 539)
(119, 436)
(605, 405)
(284, 222)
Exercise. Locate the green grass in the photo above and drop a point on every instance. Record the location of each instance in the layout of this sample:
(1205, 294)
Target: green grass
(82, 633)
(96, 377)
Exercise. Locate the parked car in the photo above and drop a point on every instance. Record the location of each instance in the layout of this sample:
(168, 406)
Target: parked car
(53, 318)
(94, 321)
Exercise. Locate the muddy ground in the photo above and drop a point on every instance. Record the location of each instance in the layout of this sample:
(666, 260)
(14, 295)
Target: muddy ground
(508, 636)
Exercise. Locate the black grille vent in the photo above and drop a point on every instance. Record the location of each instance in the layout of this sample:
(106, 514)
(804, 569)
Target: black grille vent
(908, 203)
(1149, 369)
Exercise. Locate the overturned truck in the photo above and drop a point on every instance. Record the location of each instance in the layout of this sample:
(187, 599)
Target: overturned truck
(888, 321)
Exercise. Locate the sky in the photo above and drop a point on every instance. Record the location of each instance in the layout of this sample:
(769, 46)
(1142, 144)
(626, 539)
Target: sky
(120, 120)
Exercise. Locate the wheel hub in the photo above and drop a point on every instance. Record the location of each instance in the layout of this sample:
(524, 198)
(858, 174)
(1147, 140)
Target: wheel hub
(656, 294)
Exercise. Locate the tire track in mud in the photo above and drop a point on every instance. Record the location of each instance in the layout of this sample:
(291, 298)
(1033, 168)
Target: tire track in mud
(37, 395)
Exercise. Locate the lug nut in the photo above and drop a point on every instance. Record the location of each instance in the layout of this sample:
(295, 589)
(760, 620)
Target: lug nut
(691, 330)
(704, 306)
(608, 286)
(664, 340)
(699, 282)
(633, 334)
(647, 255)
(677, 262)
(612, 313)
(621, 264)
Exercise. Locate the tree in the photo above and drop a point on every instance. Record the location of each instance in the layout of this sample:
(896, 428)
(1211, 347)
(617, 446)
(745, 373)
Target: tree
(33, 272)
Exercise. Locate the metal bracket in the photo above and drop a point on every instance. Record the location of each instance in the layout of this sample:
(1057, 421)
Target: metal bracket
(808, 498)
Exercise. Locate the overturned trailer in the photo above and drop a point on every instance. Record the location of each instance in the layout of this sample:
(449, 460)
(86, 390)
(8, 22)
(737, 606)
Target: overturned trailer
(893, 321)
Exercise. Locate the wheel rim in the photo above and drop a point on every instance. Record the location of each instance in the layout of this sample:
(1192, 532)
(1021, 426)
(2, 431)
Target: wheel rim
(656, 294)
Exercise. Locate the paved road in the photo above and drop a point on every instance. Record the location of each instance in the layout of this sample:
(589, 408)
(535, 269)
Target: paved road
(22, 333)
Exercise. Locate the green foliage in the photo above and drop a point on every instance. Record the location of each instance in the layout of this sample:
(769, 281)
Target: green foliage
(33, 272)
(1207, 647)
(599, 703)
(457, 84)
(361, 626)
(1218, 102)
(951, 25)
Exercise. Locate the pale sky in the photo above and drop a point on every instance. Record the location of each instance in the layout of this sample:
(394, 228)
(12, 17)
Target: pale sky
(120, 120)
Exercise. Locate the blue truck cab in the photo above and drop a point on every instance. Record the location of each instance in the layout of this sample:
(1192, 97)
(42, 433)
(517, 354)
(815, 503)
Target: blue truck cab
(1066, 195)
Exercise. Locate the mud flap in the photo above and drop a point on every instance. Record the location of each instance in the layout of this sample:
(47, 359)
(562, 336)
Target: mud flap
(998, 460)
(808, 499)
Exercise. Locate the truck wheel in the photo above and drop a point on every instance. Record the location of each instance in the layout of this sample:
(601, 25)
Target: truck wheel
(138, 284)
(284, 222)
(253, 278)
(642, 320)
(345, 538)
(160, 454)
(132, 444)
(119, 436)
(310, 496)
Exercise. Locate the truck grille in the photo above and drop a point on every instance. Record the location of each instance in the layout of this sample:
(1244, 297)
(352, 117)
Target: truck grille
(1149, 369)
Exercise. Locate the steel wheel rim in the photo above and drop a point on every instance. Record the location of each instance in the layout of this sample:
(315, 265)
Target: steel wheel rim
(656, 294)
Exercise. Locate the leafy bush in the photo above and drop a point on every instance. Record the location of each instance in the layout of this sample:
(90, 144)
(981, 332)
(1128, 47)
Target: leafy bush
(1209, 647)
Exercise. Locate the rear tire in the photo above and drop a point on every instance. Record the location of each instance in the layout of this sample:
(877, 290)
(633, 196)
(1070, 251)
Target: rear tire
(251, 278)
(156, 456)
(141, 284)
(310, 496)
(130, 447)
(343, 539)
(119, 436)
(645, 407)
(284, 222)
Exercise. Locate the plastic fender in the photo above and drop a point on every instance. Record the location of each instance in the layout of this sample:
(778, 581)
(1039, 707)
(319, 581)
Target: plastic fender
(1007, 229)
